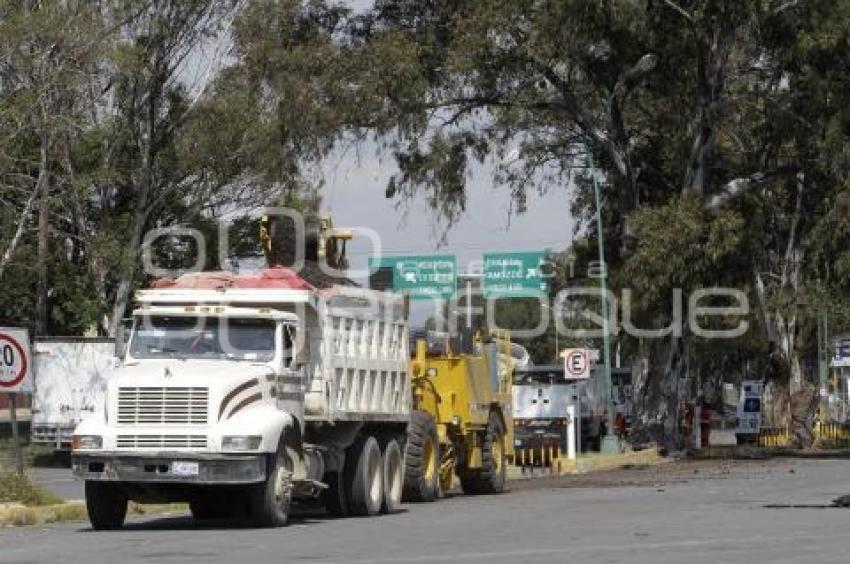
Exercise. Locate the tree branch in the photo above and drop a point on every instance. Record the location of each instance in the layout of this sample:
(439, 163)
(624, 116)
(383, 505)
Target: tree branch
(632, 77)
(582, 117)
(786, 6)
(739, 186)
(19, 231)
(681, 11)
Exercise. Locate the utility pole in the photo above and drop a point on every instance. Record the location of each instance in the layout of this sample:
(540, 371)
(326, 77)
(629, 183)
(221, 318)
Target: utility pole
(610, 442)
(16, 437)
(823, 364)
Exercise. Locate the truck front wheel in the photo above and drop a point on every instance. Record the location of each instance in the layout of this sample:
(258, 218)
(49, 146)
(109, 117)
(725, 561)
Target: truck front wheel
(106, 505)
(271, 500)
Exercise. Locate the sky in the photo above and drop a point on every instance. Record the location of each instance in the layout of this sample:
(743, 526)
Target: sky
(354, 194)
(355, 179)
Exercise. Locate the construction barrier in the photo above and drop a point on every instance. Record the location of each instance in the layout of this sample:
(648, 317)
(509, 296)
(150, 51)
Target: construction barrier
(832, 432)
(824, 432)
(774, 436)
(545, 457)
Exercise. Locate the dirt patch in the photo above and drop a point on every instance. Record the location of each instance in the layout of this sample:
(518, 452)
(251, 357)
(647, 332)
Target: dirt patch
(670, 472)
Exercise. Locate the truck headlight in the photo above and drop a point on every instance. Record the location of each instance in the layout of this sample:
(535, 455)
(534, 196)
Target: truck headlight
(86, 442)
(241, 442)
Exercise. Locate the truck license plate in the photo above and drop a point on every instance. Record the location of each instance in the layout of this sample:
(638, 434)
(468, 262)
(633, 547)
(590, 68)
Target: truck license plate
(184, 468)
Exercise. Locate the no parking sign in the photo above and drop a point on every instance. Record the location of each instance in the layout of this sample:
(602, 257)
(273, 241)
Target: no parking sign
(577, 362)
(15, 361)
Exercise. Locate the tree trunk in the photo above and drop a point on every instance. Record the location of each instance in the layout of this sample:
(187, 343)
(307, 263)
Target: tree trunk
(803, 404)
(129, 266)
(657, 405)
(42, 284)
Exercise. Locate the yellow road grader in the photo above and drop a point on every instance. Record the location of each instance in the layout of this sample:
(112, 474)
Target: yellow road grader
(461, 423)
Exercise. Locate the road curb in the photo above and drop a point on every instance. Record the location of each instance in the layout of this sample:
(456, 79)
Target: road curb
(756, 453)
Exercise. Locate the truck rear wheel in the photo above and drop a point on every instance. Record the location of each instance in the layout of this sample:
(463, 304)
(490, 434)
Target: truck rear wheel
(271, 500)
(421, 459)
(365, 477)
(106, 505)
(393, 477)
(491, 478)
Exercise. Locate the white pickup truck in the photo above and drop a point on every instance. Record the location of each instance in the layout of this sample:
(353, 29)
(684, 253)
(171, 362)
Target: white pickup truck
(238, 394)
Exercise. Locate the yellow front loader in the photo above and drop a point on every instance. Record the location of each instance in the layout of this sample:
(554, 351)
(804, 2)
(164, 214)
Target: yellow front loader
(461, 424)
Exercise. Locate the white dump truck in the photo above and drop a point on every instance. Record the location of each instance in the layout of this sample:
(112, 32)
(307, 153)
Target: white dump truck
(241, 393)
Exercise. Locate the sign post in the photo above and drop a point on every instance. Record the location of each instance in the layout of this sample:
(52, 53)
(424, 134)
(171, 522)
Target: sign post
(16, 438)
(15, 376)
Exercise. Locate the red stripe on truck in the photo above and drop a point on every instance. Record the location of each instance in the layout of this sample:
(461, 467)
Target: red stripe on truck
(235, 392)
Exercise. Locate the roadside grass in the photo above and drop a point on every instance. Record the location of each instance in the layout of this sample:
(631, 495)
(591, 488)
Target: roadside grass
(24, 503)
(23, 516)
(156, 508)
(34, 454)
(27, 516)
(15, 488)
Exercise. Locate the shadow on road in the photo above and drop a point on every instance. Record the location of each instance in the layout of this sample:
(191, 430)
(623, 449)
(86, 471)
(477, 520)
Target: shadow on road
(301, 517)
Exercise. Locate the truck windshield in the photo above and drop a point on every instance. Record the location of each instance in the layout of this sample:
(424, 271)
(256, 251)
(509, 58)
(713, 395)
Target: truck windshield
(199, 337)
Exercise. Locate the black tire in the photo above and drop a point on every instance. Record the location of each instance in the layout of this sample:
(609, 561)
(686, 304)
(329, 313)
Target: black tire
(393, 477)
(210, 509)
(334, 498)
(490, 479)
(271, 501)
(106, 505)
(364, 477)
(421, 461)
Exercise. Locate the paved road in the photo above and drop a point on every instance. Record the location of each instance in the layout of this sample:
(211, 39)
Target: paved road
(58, 481)
(717, 516)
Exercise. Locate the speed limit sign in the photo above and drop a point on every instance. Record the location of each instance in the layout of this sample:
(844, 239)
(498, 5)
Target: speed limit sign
(15, 361)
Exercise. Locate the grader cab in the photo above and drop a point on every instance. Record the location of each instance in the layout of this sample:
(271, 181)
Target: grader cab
(461, 423)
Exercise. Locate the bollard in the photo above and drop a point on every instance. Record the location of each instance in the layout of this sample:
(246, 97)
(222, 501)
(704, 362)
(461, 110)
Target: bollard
(571, 432)
(696, 426)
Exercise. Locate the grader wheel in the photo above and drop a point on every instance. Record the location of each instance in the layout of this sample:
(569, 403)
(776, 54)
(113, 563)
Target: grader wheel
(421, 460)
(490, 479)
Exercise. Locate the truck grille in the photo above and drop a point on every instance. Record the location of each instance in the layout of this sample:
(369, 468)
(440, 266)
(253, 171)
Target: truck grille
(163, 406)
(161, 441)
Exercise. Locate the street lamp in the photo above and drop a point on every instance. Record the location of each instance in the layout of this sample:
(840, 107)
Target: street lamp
(554, 313)
(610, 442)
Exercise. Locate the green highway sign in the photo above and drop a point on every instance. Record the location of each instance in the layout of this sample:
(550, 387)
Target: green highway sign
(515, 274)
(422, 276)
